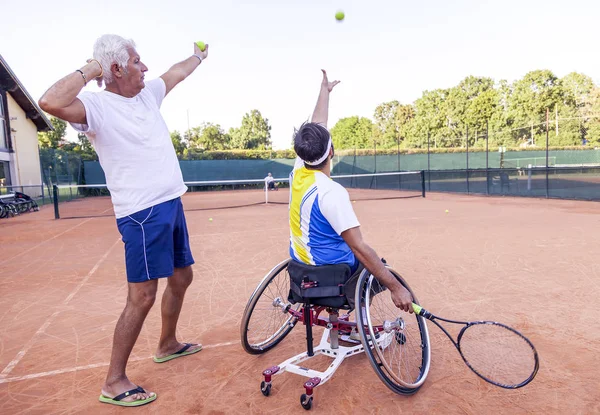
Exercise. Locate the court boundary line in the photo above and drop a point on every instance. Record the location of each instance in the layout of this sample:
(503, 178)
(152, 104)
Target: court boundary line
(11, 365)
(94, 366)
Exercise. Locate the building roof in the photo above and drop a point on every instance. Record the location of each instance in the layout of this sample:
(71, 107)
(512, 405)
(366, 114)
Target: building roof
(10, 82)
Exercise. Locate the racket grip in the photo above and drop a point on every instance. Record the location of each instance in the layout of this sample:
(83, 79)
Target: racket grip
(421, 311)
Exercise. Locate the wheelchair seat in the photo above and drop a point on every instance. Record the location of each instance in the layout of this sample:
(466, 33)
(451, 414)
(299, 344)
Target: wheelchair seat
(322, 285)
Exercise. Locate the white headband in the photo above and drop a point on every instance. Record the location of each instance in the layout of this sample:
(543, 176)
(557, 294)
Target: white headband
(323, 157)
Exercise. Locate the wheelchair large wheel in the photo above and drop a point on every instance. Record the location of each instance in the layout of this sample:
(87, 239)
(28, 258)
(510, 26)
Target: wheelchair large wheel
(266, 320)
(401, 353)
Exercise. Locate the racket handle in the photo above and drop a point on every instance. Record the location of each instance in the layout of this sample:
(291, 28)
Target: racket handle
(421, 311)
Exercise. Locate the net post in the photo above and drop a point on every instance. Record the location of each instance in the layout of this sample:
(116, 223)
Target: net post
(266, 193)
(55, 193)
(423, 182)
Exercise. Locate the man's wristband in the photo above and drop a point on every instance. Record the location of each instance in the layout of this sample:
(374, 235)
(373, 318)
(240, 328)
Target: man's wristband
(83, 75)
(198, 56)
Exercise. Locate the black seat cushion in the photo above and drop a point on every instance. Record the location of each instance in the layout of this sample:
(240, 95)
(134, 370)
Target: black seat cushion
(321, 285)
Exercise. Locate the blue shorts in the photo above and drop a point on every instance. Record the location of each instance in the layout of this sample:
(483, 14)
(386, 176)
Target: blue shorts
(156, 241)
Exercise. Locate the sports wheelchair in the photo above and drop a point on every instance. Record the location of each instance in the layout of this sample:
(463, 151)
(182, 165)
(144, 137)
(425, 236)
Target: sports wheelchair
(396, 342)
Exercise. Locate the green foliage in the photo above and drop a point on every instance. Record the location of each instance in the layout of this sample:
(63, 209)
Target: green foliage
(392, 123)
(240, 155)
(207, 137)
(254, 133)
(510, 115)
(178, 143)
(352, 132)
(53, 138)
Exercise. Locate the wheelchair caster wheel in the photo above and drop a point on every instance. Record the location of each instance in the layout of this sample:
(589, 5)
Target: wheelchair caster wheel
(265, 389)
(306, 401)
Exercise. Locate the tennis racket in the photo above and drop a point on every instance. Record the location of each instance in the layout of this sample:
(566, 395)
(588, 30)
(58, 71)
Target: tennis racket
(497, 353)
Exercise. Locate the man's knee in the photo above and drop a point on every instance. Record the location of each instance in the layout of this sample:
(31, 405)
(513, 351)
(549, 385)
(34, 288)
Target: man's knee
(182, 277)
(143, 294)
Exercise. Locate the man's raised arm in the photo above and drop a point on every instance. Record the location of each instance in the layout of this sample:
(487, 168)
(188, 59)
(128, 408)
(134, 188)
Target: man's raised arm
(321, 113)
(183, 69)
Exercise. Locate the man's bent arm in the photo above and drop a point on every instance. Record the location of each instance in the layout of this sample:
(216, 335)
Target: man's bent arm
(368, 257)
(61, 99)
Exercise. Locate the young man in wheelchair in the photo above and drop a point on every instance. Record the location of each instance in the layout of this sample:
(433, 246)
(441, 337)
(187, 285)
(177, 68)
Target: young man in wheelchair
(324, 231)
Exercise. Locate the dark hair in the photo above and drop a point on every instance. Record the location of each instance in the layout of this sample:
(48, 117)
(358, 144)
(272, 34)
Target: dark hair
(310, 143)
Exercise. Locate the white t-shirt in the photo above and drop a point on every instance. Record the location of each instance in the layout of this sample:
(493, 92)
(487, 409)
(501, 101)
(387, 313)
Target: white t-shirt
(320, 211)
(134, 147)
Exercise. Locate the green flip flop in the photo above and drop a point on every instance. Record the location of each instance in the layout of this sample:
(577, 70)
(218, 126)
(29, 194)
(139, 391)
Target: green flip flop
(182, 352)
(117, 399)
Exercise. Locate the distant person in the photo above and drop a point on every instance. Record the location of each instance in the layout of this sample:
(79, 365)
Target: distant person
(270, 181)
(125, 126)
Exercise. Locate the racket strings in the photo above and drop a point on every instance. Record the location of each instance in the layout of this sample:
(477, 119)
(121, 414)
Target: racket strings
(498, 354)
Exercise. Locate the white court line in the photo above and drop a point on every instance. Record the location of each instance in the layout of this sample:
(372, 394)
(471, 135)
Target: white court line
(48, 240)
(50, 319)
(93, 366)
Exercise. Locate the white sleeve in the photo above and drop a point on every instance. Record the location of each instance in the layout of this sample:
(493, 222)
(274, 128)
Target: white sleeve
(94, 113)
(157, 88)
(337, 209)
(298, 163)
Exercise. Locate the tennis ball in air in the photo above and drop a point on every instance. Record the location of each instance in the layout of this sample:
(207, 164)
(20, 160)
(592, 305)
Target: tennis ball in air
(210, 219)
(339, 16)
(446, 210)
(201, 45)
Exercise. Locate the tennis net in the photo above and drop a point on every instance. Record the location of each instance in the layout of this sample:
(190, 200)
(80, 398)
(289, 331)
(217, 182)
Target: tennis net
(81, 201)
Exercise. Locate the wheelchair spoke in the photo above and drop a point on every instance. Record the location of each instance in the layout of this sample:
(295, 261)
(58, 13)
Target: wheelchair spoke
(399, 356)
(266, 321)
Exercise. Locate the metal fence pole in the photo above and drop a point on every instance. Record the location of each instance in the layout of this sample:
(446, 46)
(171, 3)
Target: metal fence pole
(428, 162)
(467, 159)
(55, 190)
(547, 127)
(487, 166)
(375, 158)
(399, 176)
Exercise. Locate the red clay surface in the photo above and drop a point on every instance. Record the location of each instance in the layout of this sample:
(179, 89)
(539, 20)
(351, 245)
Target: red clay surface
(531, 264)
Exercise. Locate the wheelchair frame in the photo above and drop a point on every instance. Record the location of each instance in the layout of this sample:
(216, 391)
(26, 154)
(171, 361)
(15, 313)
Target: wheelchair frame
(336, 327)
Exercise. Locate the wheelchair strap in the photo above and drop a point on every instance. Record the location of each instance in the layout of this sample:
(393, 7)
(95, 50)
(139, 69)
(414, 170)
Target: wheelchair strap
(316, 291)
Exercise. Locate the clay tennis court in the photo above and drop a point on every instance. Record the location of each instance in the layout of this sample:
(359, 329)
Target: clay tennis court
(529, 263)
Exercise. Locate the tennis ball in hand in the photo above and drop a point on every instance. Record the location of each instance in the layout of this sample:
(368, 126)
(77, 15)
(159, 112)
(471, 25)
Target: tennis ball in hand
(201, 45)
(339, 16)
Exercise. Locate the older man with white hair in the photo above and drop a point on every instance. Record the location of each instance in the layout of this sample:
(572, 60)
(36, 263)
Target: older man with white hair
(127, 130)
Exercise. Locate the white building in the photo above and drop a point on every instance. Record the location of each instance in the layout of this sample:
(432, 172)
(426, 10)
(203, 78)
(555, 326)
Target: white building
(20, 120)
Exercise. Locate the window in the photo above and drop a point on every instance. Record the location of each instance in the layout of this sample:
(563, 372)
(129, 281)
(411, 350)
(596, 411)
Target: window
(4, 174)
(3, 141)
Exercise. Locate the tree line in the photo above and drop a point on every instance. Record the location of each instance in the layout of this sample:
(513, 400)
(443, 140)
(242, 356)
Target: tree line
(508, 114)
(254, 133)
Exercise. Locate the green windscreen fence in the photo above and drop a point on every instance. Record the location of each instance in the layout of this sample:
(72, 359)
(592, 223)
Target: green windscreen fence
(573, 176)
(204, 170)
(198, 170)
